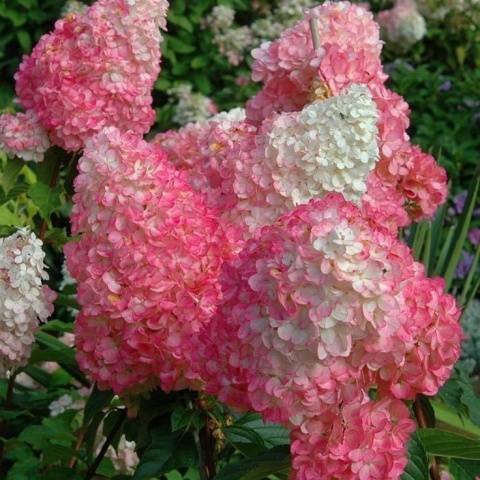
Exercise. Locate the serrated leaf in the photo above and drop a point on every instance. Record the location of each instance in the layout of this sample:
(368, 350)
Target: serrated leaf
(417, 467)
(46, 198)
(10, 173)
(448, 444)
(464, 469)
(267, 463)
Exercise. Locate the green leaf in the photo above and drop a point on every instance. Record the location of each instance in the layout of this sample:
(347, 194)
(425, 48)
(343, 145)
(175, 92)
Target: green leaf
(242, 434)
(46, 198)
(464, 469)
(24, 40)
(183, 417)
(447, 444)
(417, 468)
(162, 84)
(179, 46)
(180, 20)
(461, 232)
(97, 401)
(468, 281)
(199, 62)
(57, 236)
(10, 173)
(273, 461)
(157, 455)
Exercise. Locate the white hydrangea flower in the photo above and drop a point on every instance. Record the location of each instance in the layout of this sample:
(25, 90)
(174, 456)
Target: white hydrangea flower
(228, 119)
(220, 18)
(330, 146)
(24, 301)
(75, 7)
(191, 106)
(124, 458)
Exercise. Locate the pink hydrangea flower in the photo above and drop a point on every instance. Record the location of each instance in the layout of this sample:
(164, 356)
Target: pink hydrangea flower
(147, 264)
(94, 70)
(363, 440)
(22, 135)
(322, 303)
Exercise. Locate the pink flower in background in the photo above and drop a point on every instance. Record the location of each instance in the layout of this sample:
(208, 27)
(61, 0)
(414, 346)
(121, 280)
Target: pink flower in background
(402, 25)
(94, 70)
(147, 264)
(22, 135)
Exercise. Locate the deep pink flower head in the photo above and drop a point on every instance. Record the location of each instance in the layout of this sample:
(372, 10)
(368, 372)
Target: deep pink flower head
(21, 135)
(94, 70)
(318, 305)
(290, 68)
(147, 263)
(362, 440)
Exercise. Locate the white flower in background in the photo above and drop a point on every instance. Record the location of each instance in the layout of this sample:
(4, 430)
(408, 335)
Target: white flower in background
(65, 402)
(191, 107)
(234, 42)
(220, 18)
(24, 301)
(124, 458)
(74, 6)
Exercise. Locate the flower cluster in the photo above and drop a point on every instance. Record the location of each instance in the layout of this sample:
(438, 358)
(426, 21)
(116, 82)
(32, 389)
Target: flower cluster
(329, 146)
(403, 25)
(24, 301)
(324, 302)
(21, 135)
(147, 263)
(319, 308)
(191, 107)
(254, 254)
(95, 69)
(293, 73)
(364, 441)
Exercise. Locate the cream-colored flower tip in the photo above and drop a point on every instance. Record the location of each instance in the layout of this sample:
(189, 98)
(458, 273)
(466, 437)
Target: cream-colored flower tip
(330, 146)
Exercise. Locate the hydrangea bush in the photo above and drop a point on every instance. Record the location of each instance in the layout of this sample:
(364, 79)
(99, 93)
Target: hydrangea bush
(271, 282)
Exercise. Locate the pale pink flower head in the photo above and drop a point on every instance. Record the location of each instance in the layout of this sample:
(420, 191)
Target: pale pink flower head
(23, 136)
(94, 70)
(147, 263)
(402, 25)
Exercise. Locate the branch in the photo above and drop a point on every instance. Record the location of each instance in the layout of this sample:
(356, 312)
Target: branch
(93, 468)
